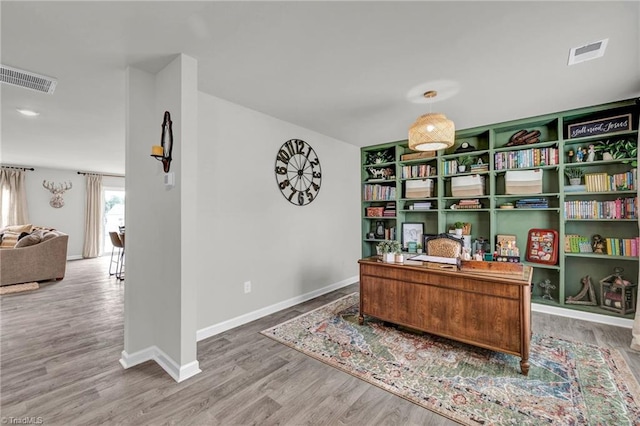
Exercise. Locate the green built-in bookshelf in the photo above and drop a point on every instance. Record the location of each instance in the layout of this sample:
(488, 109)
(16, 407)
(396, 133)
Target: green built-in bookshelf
(390, 171)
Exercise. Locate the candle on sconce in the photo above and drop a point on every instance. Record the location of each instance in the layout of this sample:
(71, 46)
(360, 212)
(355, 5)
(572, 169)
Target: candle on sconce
(157, 150)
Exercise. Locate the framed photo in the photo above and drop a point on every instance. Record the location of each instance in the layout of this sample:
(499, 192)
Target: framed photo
(542, 246)
(412, 232)
(379, 229)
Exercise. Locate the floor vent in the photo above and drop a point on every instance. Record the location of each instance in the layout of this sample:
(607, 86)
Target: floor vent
(587, 52)
(29, 80)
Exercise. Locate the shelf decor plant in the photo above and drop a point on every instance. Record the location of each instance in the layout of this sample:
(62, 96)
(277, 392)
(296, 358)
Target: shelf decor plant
(388, 250)
(624, 148)
(464, 161)
(574, 174)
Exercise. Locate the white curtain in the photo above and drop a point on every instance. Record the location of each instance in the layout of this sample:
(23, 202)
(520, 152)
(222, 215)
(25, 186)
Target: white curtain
(93, 217)
(13, 198)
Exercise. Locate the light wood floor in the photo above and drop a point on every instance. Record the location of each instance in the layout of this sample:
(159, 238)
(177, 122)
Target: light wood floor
(61, 345)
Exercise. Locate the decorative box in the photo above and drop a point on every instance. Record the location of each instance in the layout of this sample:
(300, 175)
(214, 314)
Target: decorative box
(523, 181)
(375, 211)
(467, 186)
(422, 188)
(618, 294)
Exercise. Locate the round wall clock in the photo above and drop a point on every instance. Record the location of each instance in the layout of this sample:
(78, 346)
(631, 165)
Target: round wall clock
(298, 172)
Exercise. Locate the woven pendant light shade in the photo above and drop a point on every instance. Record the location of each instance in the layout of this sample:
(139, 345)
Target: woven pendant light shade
(431, 132)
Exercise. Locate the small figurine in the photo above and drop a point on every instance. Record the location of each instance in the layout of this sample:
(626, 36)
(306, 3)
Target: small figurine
(570, 155)
(465, 254)
(579, 155)
(591, 155)
(547, 286)
(597, 244)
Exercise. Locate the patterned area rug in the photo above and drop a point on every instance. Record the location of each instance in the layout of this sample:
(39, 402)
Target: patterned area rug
(569, 383)
(18, 288)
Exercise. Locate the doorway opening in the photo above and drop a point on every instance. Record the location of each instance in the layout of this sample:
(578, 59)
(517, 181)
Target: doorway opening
(113, 215)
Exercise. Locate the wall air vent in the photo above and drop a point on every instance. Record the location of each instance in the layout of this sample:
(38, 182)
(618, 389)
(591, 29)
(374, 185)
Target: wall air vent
(587, 52)
(29, 80)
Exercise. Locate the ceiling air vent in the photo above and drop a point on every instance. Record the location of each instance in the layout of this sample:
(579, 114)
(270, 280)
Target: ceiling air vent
(587, 52)
(29, 80)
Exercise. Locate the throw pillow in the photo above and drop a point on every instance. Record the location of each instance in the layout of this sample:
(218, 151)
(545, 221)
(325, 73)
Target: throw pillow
(18, 228)
(47, 235)
(9, 239)
(29, 240)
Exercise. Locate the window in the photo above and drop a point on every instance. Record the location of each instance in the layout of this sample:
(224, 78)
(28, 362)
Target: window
(113, 214)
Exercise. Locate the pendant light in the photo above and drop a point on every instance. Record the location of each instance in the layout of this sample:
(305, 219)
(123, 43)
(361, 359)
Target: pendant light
(431, 132)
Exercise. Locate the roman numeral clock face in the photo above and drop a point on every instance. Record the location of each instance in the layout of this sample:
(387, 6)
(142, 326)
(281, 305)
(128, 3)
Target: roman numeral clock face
(298, 172)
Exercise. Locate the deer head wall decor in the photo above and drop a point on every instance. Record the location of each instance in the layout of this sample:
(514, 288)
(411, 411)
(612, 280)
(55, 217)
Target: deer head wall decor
(57, 191)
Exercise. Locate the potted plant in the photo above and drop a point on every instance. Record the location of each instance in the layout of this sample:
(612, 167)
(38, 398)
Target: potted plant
(574, 174)
(419, 248)
(463, 162)
(624, 148)
(388, 250)
(458, 226)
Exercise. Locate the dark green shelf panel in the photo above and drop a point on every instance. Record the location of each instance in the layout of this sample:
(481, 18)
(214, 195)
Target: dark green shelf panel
(501, 171)
(601, 220)
(556, 209)
(477, 153)
(466, 198)
(601, 256)
(627, 192)
(522, 147)
(542, 265)
(584, 308)
(379, 217)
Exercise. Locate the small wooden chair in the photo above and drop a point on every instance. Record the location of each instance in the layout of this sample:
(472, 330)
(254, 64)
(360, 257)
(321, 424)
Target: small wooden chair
(443, 245)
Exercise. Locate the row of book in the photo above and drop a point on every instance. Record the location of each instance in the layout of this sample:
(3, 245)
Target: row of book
(611, 246)
(602, 182)
(379, 192)
(390, 233)
(577, 244)
(526, 158)
(389, 210)
(622, 246)
(612, 209)
(532, 203)
(449, 167)
(419, 170)
(469, 203)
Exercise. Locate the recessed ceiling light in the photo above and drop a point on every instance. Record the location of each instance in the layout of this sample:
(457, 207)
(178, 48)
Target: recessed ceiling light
(28, 112)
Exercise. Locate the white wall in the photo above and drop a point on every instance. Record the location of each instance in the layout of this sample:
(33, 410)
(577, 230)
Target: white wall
(250, 232)
(69, 218)
(160, 317)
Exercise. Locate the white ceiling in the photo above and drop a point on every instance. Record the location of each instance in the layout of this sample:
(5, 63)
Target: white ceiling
(344, 69)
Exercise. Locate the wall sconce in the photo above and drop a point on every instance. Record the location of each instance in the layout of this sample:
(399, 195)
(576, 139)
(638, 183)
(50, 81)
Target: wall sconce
(162, 152)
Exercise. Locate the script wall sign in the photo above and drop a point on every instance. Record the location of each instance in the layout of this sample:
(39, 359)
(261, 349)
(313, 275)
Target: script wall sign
(603, 126)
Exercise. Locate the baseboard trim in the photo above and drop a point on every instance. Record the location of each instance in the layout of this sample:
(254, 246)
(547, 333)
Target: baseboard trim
(75, 257)
(581, 315)
(178, 372)
(221, 327)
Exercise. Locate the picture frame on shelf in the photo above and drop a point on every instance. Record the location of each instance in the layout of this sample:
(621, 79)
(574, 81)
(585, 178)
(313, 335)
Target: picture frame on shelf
(412, 233)
(542, 246)
(379, 229)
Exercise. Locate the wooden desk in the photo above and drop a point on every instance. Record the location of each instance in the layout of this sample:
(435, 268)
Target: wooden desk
(491, 310)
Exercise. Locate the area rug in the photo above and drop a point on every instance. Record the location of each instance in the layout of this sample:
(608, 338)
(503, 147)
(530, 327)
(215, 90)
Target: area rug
(569, 383)
(18, 288)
